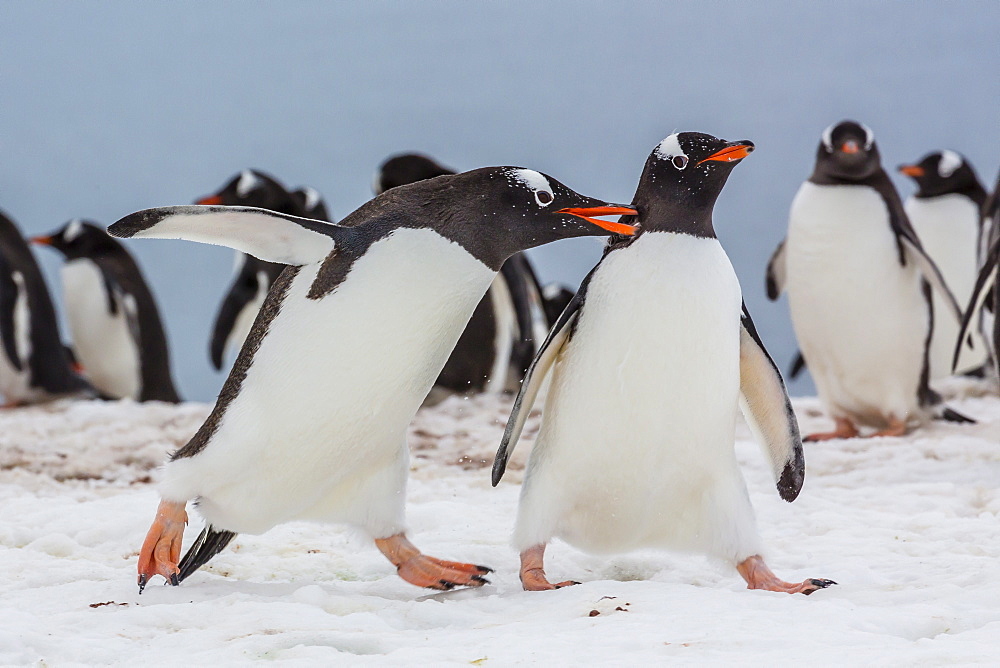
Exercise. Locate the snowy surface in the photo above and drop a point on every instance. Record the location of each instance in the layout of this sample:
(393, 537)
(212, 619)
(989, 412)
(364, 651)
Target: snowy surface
(907, 526)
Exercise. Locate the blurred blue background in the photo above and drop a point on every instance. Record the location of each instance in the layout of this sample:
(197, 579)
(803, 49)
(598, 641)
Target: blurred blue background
(109, 107)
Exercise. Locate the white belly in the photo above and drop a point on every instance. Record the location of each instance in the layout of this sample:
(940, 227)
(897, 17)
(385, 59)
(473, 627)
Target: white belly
(948, 227)
(318, 428)
(860, 318)
(102, 342)
(636, 444)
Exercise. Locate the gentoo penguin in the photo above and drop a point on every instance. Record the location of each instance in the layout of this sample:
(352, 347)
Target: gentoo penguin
(310, 204)
(859, 284)
(253, 277)
(496, 347)
(34, 366)
(984, 304)
(117, 334)
(556, 298)
(649, 363)
(946, 213)
(311, 423)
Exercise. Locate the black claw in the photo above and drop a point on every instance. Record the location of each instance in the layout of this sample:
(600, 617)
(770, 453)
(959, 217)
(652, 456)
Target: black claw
(173, 580)
(822, 583)
(142, 583)
(446, 584)
(484, 569)
(479, 578)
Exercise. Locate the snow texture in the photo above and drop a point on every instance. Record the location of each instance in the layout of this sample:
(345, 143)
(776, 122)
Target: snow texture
(907, 526)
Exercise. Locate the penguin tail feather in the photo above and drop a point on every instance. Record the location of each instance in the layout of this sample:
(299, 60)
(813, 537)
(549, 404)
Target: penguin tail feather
(208, 544)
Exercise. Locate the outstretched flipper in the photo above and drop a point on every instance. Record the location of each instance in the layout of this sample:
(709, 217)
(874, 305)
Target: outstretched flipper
(776, 273)
(532, 382)
(270, 236)
(768, 411)
(208, 544)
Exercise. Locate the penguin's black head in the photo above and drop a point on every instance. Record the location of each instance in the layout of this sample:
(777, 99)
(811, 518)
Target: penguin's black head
(406, 168)
(683, 178)
(78, 239)
(254, 188)
(847, 152)
(495, 212)
(310, 204)
(942, 173)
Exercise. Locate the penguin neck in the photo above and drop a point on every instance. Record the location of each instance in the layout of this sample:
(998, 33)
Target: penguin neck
(974, 191)
(661, 215)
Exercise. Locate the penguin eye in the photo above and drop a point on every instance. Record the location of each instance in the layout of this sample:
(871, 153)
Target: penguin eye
(543, 197)
(679, 161)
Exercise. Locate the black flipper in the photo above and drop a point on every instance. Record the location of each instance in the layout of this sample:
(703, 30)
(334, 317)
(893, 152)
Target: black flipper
(987, 283)
(546, 356)
(798, 364)
(208, 544)
(8, 302)
(775, 275)
(768, 411)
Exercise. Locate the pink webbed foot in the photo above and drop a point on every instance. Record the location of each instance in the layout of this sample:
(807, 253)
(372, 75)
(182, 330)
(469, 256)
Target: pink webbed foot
(162, 548)
(844, 429)
(424, 571)
(759, 576)
(533, 571)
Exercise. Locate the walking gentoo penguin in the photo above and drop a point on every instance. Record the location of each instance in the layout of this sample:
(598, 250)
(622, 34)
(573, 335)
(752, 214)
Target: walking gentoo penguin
(984, 304)
(496, 347)
(946, 213)
(34, 366)
(311, 423)
(859, 289)
(253, 277)
(650, 361)
(116, 328)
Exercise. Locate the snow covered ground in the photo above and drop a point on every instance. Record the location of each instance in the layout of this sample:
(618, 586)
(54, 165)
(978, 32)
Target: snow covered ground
(907, 526)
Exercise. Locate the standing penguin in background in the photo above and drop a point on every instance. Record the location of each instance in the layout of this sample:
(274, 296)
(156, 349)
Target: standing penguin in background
(117, 334)
(311, 423)
(650, 361)
(253, 277)
(34, 365)
(859, 289)
(496, 347)
(984, 304)
(946, 213)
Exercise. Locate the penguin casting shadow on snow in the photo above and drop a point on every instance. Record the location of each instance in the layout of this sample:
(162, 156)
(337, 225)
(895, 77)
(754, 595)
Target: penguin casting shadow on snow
(34, 364)
(311, 422)
(649, 363)
(118, 337)
(859, 289)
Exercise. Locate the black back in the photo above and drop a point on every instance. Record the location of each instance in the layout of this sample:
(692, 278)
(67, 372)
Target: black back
(84, 240)
(49, 366)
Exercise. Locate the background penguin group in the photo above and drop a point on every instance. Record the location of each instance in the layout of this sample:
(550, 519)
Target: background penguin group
(860, 287)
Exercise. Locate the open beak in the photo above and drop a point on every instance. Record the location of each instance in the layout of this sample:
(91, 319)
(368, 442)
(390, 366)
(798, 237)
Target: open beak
(911, 170)
(588, 213)
(850, 147)
(730, 153)
(210, 200)
(41, 241)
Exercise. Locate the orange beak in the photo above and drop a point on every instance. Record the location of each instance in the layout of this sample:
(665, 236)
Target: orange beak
(850, 147)
(211, 199)
(587, 214)
(911, 170)
(730, 154)
(41, 241)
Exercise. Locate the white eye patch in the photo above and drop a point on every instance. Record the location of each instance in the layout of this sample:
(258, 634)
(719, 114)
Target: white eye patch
(535, 182)
(949, 162)
(73, 230)
(670, 149)
(248, 181)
